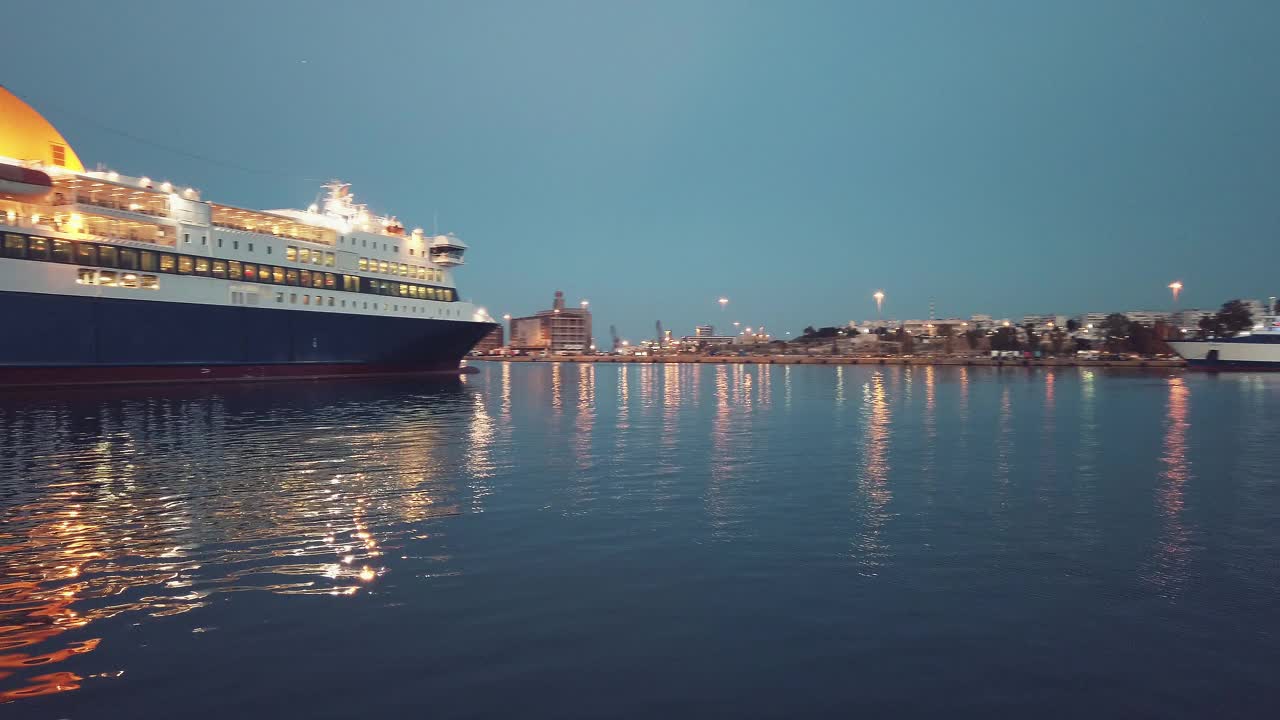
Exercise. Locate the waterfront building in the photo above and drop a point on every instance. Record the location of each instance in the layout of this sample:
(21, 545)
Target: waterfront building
(560, 329)
(1044, 321)
(704, 331)
(492, 341)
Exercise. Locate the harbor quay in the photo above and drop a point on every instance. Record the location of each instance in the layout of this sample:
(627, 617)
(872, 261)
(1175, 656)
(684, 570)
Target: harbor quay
(1152, 363)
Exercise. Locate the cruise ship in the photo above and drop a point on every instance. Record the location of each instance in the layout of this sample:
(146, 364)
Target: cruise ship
(1257, 349)
(110, 278)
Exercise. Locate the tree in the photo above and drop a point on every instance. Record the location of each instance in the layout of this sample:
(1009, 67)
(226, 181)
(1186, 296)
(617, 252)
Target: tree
(975, 338)
(1142, 339)
(1033, 339)
(1005, 338)
(905, 341)
(946, 331)
(1209, 326)
(1057, 340)
(1073, 325)
(1116, 329)
(1234, 317)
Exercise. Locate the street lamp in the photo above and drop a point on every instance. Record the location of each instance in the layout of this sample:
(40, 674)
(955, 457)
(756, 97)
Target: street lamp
(584, 304)
(879, 296)
(723, 302)
(1175, 287)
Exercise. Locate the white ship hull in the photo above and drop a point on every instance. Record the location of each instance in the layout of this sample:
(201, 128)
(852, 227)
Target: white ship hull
(1254, 352)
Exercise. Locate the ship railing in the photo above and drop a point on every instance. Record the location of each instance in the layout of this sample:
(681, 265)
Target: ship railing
(246, 229)
(60, 200)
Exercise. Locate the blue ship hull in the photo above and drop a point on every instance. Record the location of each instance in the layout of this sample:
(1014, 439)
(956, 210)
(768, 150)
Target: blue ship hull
(65, 339)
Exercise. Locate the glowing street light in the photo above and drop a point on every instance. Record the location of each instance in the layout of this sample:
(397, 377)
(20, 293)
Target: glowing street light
(584, 304)
(1175, 287)
(507, 316)
(879, 296)
(723, 302)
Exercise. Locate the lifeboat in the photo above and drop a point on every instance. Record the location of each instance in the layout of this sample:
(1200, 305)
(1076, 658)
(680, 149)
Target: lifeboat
(25, 184)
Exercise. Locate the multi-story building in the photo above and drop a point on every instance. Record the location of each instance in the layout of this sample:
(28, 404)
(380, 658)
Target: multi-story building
(559, 329)
(1044, 321)
(490, 342)
(704, 331)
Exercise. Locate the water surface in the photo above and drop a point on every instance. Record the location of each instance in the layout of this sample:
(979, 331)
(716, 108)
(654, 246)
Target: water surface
(558, 540)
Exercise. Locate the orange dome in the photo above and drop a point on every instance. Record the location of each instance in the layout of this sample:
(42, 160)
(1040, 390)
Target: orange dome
(26, 135)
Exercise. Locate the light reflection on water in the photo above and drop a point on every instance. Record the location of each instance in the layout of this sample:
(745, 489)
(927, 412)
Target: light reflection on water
(636, 486)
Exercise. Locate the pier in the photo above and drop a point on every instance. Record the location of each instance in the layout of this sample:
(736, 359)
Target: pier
(1174, 363)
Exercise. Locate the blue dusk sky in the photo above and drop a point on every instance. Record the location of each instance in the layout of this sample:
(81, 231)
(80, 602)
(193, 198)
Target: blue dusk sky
(994, 157)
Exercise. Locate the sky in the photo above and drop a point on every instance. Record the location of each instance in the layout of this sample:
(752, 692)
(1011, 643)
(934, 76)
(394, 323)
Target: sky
(983, 157)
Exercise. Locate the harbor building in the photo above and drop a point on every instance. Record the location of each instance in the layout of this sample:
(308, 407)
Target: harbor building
(560, 329)
(492, 341)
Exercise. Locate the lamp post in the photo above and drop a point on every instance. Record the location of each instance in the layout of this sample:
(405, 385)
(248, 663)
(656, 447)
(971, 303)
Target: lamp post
(723, 302)
(1175, 287)
(879, 296)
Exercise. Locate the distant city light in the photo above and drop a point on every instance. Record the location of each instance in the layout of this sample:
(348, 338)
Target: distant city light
(879, 296)
(723, 301)
(1176, 287)
(584, 304)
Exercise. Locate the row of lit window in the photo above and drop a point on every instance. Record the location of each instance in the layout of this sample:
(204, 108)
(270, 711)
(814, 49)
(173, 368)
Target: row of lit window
(401, 269)
(307, 255)
(110, 256)
(111, 278)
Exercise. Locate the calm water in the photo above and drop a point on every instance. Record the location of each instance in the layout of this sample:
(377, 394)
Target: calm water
(646, 541)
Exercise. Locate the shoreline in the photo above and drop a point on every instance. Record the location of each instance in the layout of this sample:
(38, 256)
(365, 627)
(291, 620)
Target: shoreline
(1170, 364)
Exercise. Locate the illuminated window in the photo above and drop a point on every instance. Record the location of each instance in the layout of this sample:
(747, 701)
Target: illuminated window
(219, 268)
(291, 277)
(331, 281)
(250, 271)
(85, 276)
(37, 248)
(303, 277)
(168, 263)
(306, 299)
(291, 253)
(108, 256)
(86, 253)
(404, 269)
(149, 282)
(364, 264)
(15, 246)
(330, 259)
(234, 270)
(382, 266)
(304, 255)
(186, 264)
(129, 280)
(277, 274)
(63, 251)
(202, 266)
(107, 277)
